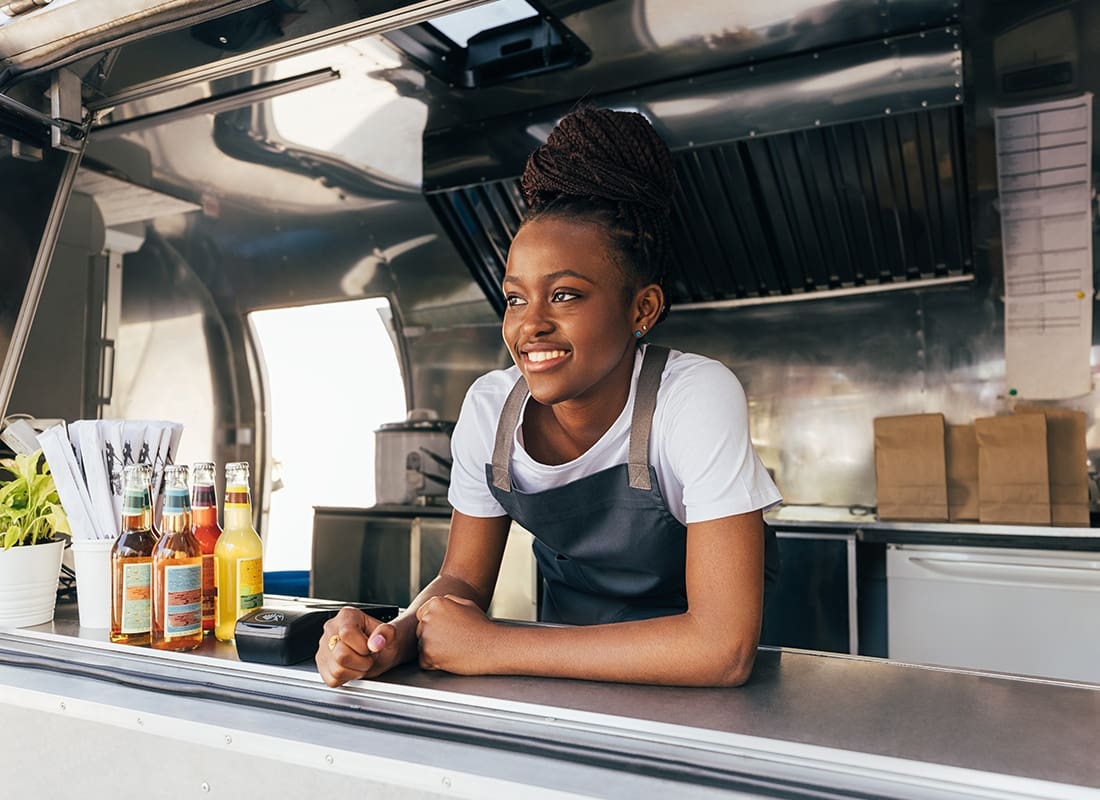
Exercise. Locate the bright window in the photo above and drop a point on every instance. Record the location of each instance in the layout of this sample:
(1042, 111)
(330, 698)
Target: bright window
(333, 377)
(461, 25)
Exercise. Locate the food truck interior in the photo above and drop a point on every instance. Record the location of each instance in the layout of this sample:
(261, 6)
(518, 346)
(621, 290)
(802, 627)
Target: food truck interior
(284, 224)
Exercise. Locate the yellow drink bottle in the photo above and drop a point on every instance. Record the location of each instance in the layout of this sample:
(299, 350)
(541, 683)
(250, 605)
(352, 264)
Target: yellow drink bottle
(238, 556)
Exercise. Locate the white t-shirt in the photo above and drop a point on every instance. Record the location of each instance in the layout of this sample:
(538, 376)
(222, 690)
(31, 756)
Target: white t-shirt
(699, 445)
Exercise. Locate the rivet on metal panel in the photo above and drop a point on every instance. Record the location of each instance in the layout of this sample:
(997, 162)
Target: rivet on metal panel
(922, 34)
(329, 759)
(228, 739)
(956, 46)
(691, 144)
(924, 104)
(205, 786)
(61, 705)
(815, 56)
(223, 40)
(752, 133)
(887, 110)
(886, 41)
(958, 97)
(817, 123)
(140, 722)
(752, 69)
(447, 782)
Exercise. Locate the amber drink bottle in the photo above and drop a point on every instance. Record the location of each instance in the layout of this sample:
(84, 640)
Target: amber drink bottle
(238, 556)
(177, 570)
(204, 524)
(132, 561)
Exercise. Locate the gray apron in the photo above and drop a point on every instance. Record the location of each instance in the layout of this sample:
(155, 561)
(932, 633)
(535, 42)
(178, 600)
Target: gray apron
(606, 545)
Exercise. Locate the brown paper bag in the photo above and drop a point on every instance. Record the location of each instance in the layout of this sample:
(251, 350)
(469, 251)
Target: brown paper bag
(1066, 457)
(910, 469)
(1013, 482)
(961, 450)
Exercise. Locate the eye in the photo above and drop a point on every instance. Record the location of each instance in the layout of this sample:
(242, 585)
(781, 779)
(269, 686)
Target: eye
(515, 300)
(563, 296)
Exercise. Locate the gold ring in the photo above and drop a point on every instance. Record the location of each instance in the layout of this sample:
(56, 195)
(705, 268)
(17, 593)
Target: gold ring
(332, 640)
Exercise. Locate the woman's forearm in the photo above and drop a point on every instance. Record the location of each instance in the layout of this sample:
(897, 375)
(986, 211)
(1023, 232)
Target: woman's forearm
(679, 650)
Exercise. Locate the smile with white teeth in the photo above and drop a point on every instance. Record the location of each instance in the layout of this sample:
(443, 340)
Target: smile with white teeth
(544, 355)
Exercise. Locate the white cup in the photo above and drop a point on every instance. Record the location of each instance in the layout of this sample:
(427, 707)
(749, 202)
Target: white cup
(92, 559)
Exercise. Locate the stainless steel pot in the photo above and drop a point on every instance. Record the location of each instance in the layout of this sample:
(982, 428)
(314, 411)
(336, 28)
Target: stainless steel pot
(412, 459)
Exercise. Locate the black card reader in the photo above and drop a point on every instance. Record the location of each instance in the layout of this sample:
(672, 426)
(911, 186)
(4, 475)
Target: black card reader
(288, 632)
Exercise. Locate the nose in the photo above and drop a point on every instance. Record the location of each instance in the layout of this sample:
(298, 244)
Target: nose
(537, 318)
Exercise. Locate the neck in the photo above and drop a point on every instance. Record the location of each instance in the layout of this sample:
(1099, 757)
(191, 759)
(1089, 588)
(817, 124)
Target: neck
(569, 428)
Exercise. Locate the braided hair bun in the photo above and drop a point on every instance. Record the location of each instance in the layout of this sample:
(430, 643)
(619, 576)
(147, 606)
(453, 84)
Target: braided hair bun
(611, 167)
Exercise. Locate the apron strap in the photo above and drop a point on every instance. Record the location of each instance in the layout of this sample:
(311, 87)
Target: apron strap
(506, 435)
(645, 401)
(641, 422)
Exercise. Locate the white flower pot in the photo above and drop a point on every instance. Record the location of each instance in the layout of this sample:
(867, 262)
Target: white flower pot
(28, 583)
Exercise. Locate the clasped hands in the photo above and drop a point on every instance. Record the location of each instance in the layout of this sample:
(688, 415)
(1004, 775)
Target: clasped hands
(451, 634)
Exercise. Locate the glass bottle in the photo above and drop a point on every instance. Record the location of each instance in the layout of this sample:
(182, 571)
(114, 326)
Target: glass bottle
(204, 524)
(132, 561)
(177, 570)
(238, 556)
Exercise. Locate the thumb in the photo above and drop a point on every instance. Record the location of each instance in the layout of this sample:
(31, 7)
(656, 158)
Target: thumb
(454, 598)
(380, 637)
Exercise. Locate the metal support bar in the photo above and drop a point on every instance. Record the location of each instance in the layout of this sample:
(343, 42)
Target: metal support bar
(17, 7)
(223, 102)
(66, 126)
(37, 281)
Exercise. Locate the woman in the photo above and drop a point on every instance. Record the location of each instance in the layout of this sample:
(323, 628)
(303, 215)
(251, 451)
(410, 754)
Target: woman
(630, 464)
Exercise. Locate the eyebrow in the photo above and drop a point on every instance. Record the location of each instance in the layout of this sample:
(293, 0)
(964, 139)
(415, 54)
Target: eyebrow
(553, 276)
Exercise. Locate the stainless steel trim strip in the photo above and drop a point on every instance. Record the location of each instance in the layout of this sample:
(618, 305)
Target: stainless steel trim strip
(410, 15)
(823, 295)
(215, 105)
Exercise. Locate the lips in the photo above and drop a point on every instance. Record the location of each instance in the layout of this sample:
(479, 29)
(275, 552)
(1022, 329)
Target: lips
(539, 356)
(538, 360)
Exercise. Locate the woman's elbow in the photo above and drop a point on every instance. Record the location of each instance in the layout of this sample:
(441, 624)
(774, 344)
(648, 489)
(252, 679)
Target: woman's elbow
(732, 667)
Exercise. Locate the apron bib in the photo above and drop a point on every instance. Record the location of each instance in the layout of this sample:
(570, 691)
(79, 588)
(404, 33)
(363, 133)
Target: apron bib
(607, 546)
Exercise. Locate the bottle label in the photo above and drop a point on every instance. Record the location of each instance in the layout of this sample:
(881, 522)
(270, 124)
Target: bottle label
(137, 608)
(133, 502)
(250, 585)
(182, 600)
(203, 497)
(209, 597)
(175, 502)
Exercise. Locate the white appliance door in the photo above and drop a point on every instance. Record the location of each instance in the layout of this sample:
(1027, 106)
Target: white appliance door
(1030, 612)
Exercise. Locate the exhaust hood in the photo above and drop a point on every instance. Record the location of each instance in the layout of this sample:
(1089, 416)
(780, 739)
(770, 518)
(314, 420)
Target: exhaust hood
(828, 173)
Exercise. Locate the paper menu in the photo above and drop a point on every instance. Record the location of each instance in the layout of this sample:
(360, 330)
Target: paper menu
(1044, 172)
(87, 461)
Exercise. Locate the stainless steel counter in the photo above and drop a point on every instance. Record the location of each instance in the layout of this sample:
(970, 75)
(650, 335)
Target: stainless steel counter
(804, 720)
(869, 528)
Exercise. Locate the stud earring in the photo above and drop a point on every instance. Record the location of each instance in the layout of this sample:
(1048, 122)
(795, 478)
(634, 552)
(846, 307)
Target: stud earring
(638, 334)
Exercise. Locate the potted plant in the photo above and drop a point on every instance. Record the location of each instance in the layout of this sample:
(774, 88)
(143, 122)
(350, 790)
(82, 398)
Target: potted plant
(30, 549)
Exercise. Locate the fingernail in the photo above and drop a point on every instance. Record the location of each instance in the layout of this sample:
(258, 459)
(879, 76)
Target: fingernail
(377, 642)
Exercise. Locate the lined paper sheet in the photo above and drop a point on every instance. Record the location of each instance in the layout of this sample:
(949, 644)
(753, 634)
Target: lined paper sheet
(1044, 173)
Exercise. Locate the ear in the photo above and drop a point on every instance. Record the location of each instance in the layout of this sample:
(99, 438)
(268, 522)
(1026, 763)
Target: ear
(648, 302)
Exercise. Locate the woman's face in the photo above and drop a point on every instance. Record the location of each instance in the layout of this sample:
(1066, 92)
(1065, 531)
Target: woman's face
(568, 322)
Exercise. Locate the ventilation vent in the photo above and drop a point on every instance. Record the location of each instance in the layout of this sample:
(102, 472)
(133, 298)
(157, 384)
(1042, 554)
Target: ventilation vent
(878, 203)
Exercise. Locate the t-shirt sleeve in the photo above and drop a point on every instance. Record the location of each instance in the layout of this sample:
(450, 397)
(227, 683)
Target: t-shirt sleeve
(471, 450)
(709, 446)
